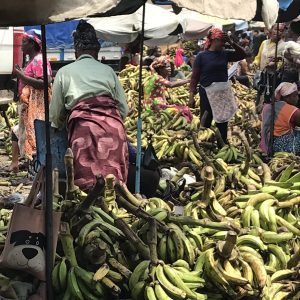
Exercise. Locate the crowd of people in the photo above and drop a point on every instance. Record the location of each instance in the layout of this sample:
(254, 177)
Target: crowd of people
(88, 100)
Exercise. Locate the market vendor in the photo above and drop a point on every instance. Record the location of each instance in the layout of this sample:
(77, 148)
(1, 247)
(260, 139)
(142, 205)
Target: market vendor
(155, 91)
(89, 101)
(210, 70)
(265, 62)
(31, 97)
(287, 119)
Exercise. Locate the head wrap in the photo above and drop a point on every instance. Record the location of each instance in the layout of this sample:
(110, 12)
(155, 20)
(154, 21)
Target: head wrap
(85, 37)
(213, 34)
(281, 27)
(32, 35)
(285, 89)
(178, 61)
(161, 61)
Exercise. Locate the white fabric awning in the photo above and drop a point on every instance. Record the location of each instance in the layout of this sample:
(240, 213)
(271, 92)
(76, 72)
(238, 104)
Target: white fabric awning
(159, 24)
(35, 12)
(228, 9)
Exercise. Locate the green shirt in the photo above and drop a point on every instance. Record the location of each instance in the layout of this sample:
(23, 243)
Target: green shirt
(82, 79)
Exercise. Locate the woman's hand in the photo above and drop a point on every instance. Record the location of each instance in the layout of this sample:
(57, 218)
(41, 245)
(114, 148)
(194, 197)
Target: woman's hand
(19, 73)
(227, 39)
(191, 100)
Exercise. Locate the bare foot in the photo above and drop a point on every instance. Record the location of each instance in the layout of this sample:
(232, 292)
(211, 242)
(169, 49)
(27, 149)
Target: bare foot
(14, 167)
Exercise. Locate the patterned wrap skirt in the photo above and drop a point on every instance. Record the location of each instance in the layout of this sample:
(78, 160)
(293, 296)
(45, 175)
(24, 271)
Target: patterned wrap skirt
(98, 140)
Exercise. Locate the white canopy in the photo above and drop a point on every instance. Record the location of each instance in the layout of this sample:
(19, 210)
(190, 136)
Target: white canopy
(34, 12)
(226, 9)
(193, 26)
(159, 23)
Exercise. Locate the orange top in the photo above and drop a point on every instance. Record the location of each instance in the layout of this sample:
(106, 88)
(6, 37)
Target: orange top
(283, 121)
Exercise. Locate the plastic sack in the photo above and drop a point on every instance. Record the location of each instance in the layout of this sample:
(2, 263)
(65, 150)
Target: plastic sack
(269, 12)
(293, 48)
(222, 101)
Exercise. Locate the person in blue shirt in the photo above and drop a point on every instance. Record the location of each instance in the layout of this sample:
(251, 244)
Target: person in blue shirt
(211, 65)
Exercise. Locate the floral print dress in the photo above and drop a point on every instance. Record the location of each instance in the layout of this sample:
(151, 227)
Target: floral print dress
(31, 107)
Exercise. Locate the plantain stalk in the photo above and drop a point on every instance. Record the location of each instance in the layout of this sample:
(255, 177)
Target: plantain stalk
(260, 173)
(244, 140)
(267, 172)
(67, 243)
(219, 139)
(124, 192)
(69, 164)
(208, 185)
(294, 260)
(229, 244)
(152, 240)
(133, 238)
(92, 195)
(207, 161)
(140, 213)
(203, 222)
(118, 266)
(102, 204)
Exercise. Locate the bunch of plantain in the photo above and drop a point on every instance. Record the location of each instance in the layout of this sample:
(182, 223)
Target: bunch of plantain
(230, 154)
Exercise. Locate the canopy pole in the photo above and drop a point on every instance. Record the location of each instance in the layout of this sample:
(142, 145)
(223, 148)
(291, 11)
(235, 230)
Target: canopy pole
(139, 121)
(48, 177)
(271, 150)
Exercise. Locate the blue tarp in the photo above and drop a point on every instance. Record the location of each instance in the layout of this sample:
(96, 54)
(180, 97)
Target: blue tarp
(284, 4)
(58, 35)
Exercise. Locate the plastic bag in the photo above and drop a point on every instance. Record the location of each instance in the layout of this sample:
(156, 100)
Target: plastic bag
(222, 101)
(269, 12)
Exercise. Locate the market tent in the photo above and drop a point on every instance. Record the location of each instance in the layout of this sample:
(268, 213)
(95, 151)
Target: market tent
(193, 26)
(36, 12)
(126, 28)
(31, 12)
(245, 10)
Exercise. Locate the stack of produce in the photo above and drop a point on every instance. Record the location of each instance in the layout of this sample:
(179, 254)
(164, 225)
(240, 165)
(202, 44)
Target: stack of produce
(171, 135)
(233, 233)
(12, 115)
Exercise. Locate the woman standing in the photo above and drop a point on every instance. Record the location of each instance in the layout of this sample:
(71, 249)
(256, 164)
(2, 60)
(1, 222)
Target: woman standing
(89, 101)
(287, 118)
(210, 71)
(31, 96)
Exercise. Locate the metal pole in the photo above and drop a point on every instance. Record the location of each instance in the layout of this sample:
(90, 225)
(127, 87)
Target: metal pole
(273, 99)
(48, 177)
(139, 121)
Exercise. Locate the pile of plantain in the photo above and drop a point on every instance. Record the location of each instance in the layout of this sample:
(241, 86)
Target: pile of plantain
(227, 242)
(171, 134)
(12, 118)
(231, 233)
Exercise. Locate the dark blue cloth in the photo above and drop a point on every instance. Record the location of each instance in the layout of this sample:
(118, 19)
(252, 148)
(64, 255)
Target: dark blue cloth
(132, 154)
(213, 66)
(58, 35)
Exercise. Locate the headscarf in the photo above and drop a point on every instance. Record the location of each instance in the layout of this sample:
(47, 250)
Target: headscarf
(285, 89)
(281, 27)
(178, 61)
(213, 34)
(31, 35)
(161, 61)
(85, 37)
